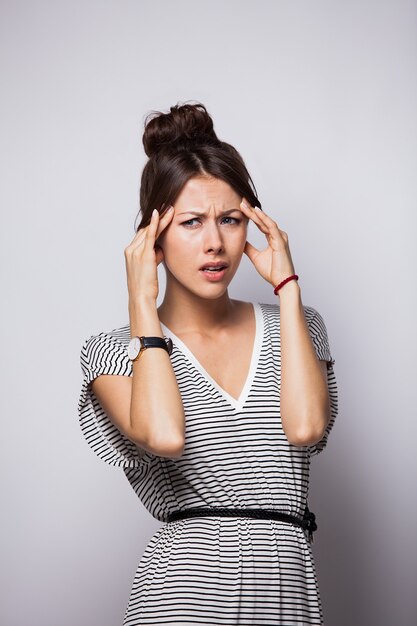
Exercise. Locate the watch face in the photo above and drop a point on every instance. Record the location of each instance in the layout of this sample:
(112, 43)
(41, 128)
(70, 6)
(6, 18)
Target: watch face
(133, 348)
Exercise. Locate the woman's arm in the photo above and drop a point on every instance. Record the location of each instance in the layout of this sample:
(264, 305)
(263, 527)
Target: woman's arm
(305, 401)
(147, 407)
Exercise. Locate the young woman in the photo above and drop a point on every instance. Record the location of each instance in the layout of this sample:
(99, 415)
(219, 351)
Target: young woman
(215, 422)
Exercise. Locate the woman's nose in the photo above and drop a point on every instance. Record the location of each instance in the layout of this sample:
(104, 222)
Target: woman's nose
(212, 236)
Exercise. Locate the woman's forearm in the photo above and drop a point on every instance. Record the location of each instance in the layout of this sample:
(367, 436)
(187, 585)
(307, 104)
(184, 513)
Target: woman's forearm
(156, 409)
(305, 402)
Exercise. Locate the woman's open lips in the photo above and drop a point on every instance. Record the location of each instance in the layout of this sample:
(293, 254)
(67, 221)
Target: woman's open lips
(213, 274)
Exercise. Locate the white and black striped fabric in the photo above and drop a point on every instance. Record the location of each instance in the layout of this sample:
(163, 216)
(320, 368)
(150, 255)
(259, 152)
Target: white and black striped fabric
(218, 570)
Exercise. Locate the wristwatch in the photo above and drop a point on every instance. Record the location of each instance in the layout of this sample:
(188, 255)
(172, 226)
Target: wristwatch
(138, 344)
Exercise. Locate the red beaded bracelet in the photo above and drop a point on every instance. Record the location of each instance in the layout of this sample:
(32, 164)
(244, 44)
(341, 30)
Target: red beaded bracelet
(281, 284)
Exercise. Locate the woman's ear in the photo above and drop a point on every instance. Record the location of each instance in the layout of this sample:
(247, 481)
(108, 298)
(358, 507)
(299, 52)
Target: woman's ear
(159, 254)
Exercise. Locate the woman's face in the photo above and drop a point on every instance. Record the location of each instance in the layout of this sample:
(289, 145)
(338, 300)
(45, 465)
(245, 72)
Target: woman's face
(200, 233)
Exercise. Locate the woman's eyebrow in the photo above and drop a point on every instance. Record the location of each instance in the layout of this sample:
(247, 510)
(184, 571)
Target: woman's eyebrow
(204, 214)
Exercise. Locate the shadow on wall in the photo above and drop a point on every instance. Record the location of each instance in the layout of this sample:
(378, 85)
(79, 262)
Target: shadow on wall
(343, 545)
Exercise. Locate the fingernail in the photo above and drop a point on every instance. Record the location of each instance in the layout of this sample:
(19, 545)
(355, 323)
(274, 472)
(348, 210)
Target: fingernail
(154, 211)
(170, 208)
(245, 204)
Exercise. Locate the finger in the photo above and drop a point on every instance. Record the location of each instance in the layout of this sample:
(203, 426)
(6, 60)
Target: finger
(138, 238)
(140, 235)
(267, 221)
(167, 215)
(274, 233)
(141, 232)
(151, 231)
(273, 226)
(253, 215)
(164, 221)
(158, 223)
(165, 208)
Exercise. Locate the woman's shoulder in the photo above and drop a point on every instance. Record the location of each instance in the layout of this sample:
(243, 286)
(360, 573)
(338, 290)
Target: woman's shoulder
(273, 309)
(119, 335)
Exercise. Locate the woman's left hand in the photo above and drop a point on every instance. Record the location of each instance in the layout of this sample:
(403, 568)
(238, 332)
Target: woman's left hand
(274, 263)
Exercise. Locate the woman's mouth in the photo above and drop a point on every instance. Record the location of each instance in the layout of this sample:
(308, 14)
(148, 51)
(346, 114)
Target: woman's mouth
(213, 274)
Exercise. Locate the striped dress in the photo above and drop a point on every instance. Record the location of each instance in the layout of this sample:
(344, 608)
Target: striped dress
(218, 570)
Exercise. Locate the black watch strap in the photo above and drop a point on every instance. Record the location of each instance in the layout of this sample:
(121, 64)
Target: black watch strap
(157, 342)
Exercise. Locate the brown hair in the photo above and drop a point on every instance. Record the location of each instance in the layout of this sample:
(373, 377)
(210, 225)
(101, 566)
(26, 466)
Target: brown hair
(182, 144)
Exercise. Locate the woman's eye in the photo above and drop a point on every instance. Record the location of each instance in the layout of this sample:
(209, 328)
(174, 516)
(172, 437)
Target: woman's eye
(187, 223)
(237, 220)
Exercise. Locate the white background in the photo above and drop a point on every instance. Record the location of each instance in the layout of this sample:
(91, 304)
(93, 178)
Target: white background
(319, 97)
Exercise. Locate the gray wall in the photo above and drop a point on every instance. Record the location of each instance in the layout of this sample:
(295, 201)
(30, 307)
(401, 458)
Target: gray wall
(320, 99)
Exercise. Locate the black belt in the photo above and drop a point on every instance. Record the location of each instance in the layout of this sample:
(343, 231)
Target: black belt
(308, 522)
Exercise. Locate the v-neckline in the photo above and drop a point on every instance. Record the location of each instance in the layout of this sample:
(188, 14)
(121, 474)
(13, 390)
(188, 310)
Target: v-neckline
(238, 403)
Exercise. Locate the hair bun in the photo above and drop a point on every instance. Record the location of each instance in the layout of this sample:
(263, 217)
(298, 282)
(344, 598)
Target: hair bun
(186, 123)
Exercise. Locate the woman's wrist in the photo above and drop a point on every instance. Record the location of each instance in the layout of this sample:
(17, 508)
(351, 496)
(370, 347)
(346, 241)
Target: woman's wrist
(290, 290)
(143, 316)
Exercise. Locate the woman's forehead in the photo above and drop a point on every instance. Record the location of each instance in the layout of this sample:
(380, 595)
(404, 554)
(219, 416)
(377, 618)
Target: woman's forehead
(207, 194)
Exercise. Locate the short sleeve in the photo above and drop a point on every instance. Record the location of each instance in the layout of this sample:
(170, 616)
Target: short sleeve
(318, 333)
(105, 354)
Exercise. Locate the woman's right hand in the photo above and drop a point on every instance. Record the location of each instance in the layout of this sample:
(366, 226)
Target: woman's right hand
(142, 258)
